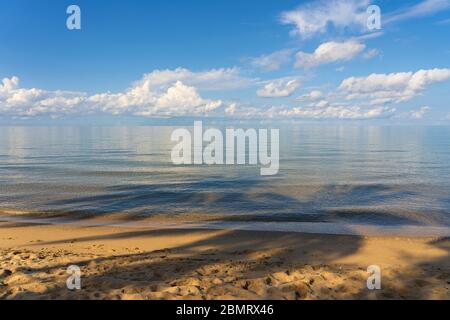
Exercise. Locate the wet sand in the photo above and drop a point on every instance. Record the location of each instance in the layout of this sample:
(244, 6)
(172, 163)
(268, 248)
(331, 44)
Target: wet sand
(147, 263)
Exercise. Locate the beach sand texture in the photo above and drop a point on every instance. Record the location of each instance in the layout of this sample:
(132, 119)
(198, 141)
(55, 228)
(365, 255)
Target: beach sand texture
(122, 263)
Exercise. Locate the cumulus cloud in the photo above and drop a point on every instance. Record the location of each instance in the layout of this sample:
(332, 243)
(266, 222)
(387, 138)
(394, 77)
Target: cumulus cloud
(342, 112)
(31, 102)
(283, 87)
(368, 97)
(329, 52)
(231, 109)
(273, 61)
(419, 114)
(210, 80)
(393, 87)
(316, 17)
(180, 99)
(9, 85)
(160, 93)
(313, 95)
(321, 109)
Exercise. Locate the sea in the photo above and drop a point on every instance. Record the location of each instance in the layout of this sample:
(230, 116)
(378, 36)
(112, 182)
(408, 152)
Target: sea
(343, 173)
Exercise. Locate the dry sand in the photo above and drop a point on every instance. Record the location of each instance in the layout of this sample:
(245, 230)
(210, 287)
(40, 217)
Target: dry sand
(125, 263)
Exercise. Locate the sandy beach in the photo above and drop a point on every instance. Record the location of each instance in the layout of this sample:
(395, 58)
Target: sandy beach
(147, 263)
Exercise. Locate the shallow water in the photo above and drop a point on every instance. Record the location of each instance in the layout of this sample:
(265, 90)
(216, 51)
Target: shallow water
(347, 174)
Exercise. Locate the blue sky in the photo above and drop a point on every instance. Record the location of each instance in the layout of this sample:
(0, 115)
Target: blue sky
(272, 59)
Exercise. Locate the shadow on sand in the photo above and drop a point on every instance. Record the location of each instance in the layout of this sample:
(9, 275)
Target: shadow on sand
(226, 265)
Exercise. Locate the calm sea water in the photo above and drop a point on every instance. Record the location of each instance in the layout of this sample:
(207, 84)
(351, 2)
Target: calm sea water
(370, 175)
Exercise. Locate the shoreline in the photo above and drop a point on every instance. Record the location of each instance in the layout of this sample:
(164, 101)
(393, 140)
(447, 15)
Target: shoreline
(201, 223)
(127, 263)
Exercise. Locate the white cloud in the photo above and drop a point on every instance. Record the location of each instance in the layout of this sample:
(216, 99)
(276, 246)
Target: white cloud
(340, 112)
(316, 17)
(321, 109)
(160, 93)
(321, 104)
(314, 95)
(182, 99)
(329, 52)
(369, 97)
(30, 102)
(424, 8)
(283, 87)
(419, 114)
(9, 85)
(231, 109)
(393, 87)
(371, 53)
(273, 61)
(213, 79)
